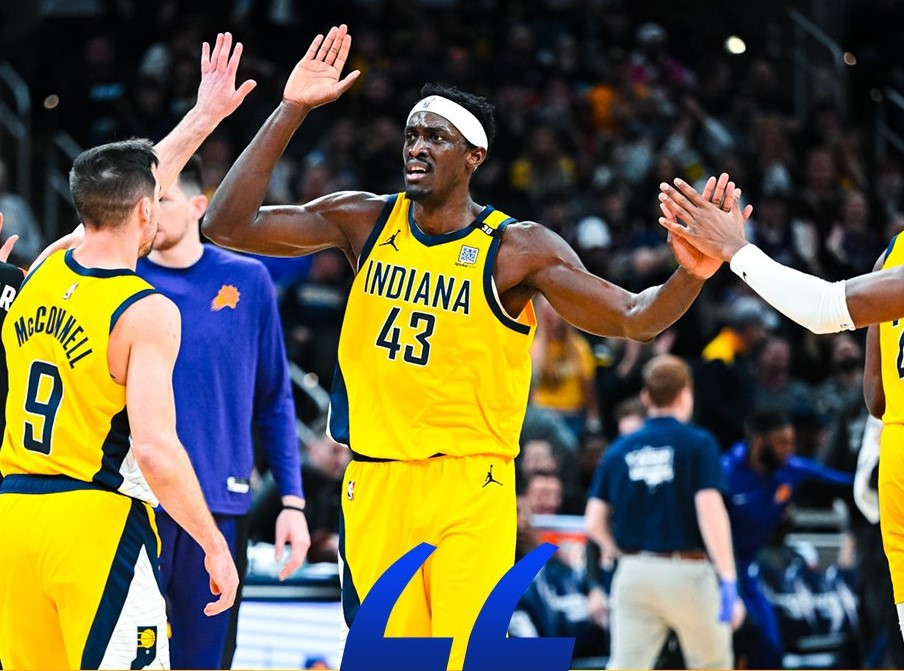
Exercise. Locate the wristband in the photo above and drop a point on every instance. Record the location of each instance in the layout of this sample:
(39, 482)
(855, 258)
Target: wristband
(298, 508)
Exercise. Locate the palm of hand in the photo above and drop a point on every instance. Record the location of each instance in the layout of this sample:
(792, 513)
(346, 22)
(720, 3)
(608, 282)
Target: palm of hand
(312, 83)
(692, 259)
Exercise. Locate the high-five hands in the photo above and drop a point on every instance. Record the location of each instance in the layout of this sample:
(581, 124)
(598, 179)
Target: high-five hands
(712, 223)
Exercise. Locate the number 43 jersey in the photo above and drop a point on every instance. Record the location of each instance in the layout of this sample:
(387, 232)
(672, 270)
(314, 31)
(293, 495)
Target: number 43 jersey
(65, 415)
(429, 362)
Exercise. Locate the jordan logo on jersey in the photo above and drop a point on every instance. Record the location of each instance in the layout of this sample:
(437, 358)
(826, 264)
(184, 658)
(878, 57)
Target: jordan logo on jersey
(391, 241)
(227, 297)
(70, 291)
(490, 478)
(146, 649)
(350, 490)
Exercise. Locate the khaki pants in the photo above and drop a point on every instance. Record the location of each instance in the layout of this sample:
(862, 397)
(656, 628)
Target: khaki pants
(652, 595)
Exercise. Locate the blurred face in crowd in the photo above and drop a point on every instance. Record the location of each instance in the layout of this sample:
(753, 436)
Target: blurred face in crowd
(537, 456)
(847, 355)
(544, 494)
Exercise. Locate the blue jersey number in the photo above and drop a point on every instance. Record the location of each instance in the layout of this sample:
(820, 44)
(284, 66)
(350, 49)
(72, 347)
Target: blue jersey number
(390, 334)
(44, 403)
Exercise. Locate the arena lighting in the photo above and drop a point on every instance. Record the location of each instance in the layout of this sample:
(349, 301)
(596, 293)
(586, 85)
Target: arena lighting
(735, 45)
(849, 58)
(51, 101)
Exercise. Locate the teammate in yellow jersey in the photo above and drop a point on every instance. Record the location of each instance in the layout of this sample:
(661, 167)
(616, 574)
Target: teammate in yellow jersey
(434, 366)
(823, 307)
(90, 444)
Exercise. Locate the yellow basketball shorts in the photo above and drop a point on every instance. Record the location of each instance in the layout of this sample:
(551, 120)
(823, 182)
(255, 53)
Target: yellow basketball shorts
(891, 503)
(79, 581)
(465, 506)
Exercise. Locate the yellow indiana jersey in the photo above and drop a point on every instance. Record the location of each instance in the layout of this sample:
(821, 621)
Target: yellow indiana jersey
(64, 413)
(891, 347)
(429, 362)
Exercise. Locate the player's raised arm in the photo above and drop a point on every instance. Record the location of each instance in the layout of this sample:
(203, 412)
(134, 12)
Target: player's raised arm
(819, 305)
(235, 218)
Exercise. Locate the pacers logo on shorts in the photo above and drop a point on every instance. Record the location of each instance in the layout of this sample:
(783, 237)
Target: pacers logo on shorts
(146, 648)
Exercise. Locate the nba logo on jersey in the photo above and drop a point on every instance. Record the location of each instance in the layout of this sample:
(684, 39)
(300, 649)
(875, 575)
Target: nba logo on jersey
(350, 490)
(468, 255)
(146, 648)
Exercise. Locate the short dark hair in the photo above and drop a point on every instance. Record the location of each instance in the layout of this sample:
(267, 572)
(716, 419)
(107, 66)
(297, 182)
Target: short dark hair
(108, 180)
(765, 420)
(475, 104)
(664, 377)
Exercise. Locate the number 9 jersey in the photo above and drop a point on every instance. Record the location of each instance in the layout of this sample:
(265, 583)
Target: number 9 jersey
(429, 362)
(65, 415)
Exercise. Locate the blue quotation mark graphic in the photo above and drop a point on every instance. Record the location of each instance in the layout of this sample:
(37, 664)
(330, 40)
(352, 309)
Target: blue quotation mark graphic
(488, 648)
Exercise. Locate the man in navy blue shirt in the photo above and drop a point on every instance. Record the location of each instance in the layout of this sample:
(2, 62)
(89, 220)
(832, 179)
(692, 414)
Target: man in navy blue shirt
(762, 475)
(656, 505)
(230, 381)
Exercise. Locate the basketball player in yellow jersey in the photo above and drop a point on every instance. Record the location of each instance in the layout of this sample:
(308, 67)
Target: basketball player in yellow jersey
(434, 366)
(90, 444)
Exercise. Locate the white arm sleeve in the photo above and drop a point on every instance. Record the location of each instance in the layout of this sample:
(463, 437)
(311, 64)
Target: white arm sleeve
(813, 303)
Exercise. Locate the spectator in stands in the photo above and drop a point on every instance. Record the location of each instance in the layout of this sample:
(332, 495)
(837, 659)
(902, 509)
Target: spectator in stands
(763, 475)
(854, 241)
(724, 378)
(555, 604)
(564, 368)
(839, 404)
(543, 492)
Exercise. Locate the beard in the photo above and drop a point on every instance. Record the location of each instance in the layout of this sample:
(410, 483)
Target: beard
(770, 461)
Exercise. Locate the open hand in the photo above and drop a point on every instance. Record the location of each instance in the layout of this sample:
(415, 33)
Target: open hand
(315, 79)
(217, 93)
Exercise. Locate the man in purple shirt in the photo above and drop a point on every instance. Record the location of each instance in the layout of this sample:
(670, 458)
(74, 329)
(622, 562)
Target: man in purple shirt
(231, 382)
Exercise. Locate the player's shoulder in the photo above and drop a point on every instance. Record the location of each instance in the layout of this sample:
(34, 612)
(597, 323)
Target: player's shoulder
(147, 317)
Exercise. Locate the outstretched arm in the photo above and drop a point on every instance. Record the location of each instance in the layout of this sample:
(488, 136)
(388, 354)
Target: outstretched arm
(218, 97)
(235, 218)
(821, 306)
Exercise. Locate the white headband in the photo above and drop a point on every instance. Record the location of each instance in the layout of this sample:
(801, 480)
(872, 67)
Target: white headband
(466, 123)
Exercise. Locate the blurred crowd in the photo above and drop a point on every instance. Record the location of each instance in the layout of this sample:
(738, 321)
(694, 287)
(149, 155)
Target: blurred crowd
(595, 106)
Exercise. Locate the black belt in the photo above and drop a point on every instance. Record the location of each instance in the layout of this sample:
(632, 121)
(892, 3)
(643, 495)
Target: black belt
(697, 555)
(356, 456)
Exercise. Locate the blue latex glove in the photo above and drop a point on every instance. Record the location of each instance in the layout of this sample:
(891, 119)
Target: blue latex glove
(728, 591)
